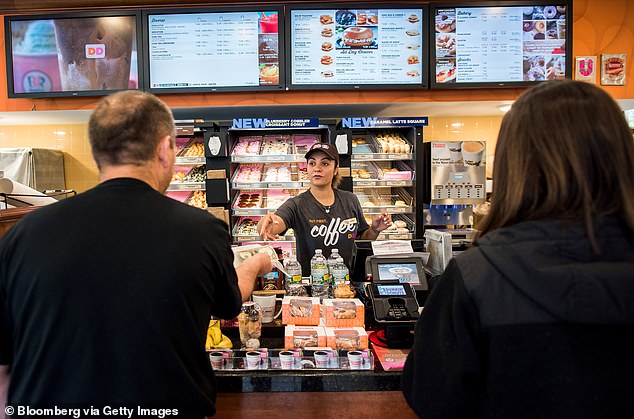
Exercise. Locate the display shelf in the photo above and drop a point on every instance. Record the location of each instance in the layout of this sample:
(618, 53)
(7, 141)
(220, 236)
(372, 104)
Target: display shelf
(271, 158)
(363, 183)
(189, 161)
(186, 186)
(398, 202)
(245, 231)
(382, 156)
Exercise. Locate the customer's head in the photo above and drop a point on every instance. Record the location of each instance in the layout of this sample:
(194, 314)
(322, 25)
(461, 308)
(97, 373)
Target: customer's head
(127, 127)
(564, 151)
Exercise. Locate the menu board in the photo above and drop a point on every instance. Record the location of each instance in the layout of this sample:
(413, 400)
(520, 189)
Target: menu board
(367, 46)
(210, 50)
(499, 44)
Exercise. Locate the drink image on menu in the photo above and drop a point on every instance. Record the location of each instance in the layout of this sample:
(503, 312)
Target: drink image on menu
(35, 66)
(472, 152)
(95, 53)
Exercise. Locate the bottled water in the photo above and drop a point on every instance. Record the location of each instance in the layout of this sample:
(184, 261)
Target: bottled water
(332, 260)
(293, 282)
(319, 275)
(340, 274)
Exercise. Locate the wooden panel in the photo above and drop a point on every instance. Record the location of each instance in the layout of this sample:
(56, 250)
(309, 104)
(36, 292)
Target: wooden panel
(363, 404)
(8, 217)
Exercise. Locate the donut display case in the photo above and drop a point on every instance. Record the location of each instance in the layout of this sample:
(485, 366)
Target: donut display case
(383, 169)
(188, 180)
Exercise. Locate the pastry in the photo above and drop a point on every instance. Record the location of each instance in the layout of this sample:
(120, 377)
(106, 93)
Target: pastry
(400, 224)
(358, 37)
(412, 59)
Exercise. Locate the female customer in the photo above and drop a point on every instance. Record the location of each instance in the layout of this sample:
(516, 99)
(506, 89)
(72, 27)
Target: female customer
(323, 217)
(537, 321)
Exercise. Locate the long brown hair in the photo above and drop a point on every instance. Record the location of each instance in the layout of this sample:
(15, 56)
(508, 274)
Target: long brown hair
(565, 152)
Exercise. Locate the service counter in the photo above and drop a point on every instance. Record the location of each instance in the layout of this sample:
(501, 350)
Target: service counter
(308, 393)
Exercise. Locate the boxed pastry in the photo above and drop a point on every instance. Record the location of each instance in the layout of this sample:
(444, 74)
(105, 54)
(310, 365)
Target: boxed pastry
(348, 338)
(304, 336)
(301, 310)
(344, 312)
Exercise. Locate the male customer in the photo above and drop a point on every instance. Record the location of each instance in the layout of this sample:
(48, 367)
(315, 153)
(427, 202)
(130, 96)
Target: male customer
(105, 298)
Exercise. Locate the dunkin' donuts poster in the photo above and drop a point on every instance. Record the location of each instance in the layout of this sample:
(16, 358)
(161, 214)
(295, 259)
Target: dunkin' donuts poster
(613, 69)
(586, 69)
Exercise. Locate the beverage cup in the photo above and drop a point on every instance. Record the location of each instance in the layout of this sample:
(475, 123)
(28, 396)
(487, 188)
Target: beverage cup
(561, 29)
(355, 359)
(267, 303)
(253, 360)
(321, 359)
(472, 152)
(268, 23)
(455, 151)
(36, 73)
(95, 53)
(287, 360)
(217, 360)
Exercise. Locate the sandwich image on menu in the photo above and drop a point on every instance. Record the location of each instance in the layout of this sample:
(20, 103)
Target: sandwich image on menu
(355, 30)
(445, 34)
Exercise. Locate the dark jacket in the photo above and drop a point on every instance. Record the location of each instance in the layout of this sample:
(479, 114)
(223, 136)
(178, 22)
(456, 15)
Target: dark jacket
(531, 323)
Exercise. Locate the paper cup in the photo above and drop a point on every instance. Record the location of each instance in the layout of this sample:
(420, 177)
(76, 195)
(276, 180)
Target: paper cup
(286, 360)
(321, 359)
(267, 303)
(455, 151)
(355, 359)
(472, 152)
(253, 360)
(216, 359)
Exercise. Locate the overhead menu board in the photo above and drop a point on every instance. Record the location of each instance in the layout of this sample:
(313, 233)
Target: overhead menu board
(488, 46)
(356, 47)
(213, 50)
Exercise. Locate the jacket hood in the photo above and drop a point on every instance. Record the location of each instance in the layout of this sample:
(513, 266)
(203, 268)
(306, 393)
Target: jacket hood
(554, 265)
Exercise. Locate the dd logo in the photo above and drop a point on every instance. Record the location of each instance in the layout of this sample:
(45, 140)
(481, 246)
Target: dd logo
(95, 50)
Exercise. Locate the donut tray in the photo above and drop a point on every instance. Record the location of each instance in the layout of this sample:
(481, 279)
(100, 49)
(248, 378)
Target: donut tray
(303, 359)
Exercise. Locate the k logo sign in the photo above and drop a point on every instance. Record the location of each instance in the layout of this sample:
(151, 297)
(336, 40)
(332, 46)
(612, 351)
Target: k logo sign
(95, 51)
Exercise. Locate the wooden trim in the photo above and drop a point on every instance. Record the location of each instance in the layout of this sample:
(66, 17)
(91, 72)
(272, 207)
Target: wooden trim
(9, 217)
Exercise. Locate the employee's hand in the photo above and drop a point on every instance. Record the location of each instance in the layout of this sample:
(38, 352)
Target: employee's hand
(270, 226)
(381, 222)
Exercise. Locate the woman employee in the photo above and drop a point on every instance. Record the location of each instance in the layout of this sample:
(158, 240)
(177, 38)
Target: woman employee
(323, 217)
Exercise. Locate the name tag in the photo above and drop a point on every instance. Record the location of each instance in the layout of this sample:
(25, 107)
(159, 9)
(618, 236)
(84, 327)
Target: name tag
(349, 222)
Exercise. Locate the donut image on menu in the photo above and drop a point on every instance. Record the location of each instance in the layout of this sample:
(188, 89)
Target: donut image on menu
(445, 23)
(358, 37)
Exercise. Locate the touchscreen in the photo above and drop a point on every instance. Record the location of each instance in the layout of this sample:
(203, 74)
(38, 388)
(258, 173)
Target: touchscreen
(401, 272)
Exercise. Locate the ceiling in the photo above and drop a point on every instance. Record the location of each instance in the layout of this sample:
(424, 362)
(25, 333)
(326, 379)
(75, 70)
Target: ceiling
(431, 109)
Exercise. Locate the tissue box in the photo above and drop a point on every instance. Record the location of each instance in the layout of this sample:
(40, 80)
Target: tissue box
(304, 336)
(301, 310)
(344, 312)
(348, 338)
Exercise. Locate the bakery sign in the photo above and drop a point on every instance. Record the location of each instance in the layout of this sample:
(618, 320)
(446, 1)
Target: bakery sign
(247, 123)
(407, 121)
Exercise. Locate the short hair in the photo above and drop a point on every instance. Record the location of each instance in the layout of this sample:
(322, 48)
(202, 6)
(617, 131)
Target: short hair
(126, 127)
(564, 151)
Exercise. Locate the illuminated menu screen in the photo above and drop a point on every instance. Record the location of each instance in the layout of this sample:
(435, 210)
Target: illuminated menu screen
(360, 46)
(206, 50)
(499, 44)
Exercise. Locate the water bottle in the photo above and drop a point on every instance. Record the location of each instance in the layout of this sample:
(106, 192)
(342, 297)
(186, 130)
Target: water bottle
(340, 274)
(332, 260)
(319, 275)
(293, 282)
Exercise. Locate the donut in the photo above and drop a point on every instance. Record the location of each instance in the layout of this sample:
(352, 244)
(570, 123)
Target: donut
(400, 224)
(358, 37)
(550, 12)
(400, 204)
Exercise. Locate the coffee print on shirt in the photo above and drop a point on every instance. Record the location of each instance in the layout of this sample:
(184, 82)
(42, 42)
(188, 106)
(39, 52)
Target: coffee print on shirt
(333, 230)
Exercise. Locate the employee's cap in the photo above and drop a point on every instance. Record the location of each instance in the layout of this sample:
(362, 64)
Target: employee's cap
(328, 149)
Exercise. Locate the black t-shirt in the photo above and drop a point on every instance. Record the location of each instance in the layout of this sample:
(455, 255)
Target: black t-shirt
(105, 299)
(316, 228)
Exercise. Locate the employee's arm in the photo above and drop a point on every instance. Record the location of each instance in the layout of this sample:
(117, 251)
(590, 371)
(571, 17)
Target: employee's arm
(249, 270)
(4, 387)
(270, 226)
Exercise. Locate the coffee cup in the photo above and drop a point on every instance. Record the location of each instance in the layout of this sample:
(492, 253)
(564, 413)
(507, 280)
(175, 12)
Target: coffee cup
(355, 359)
(287, 359)
(455, 151)
(253, 360)
(267, 304)
(321, 359)
(472, 152)
(216, 359)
